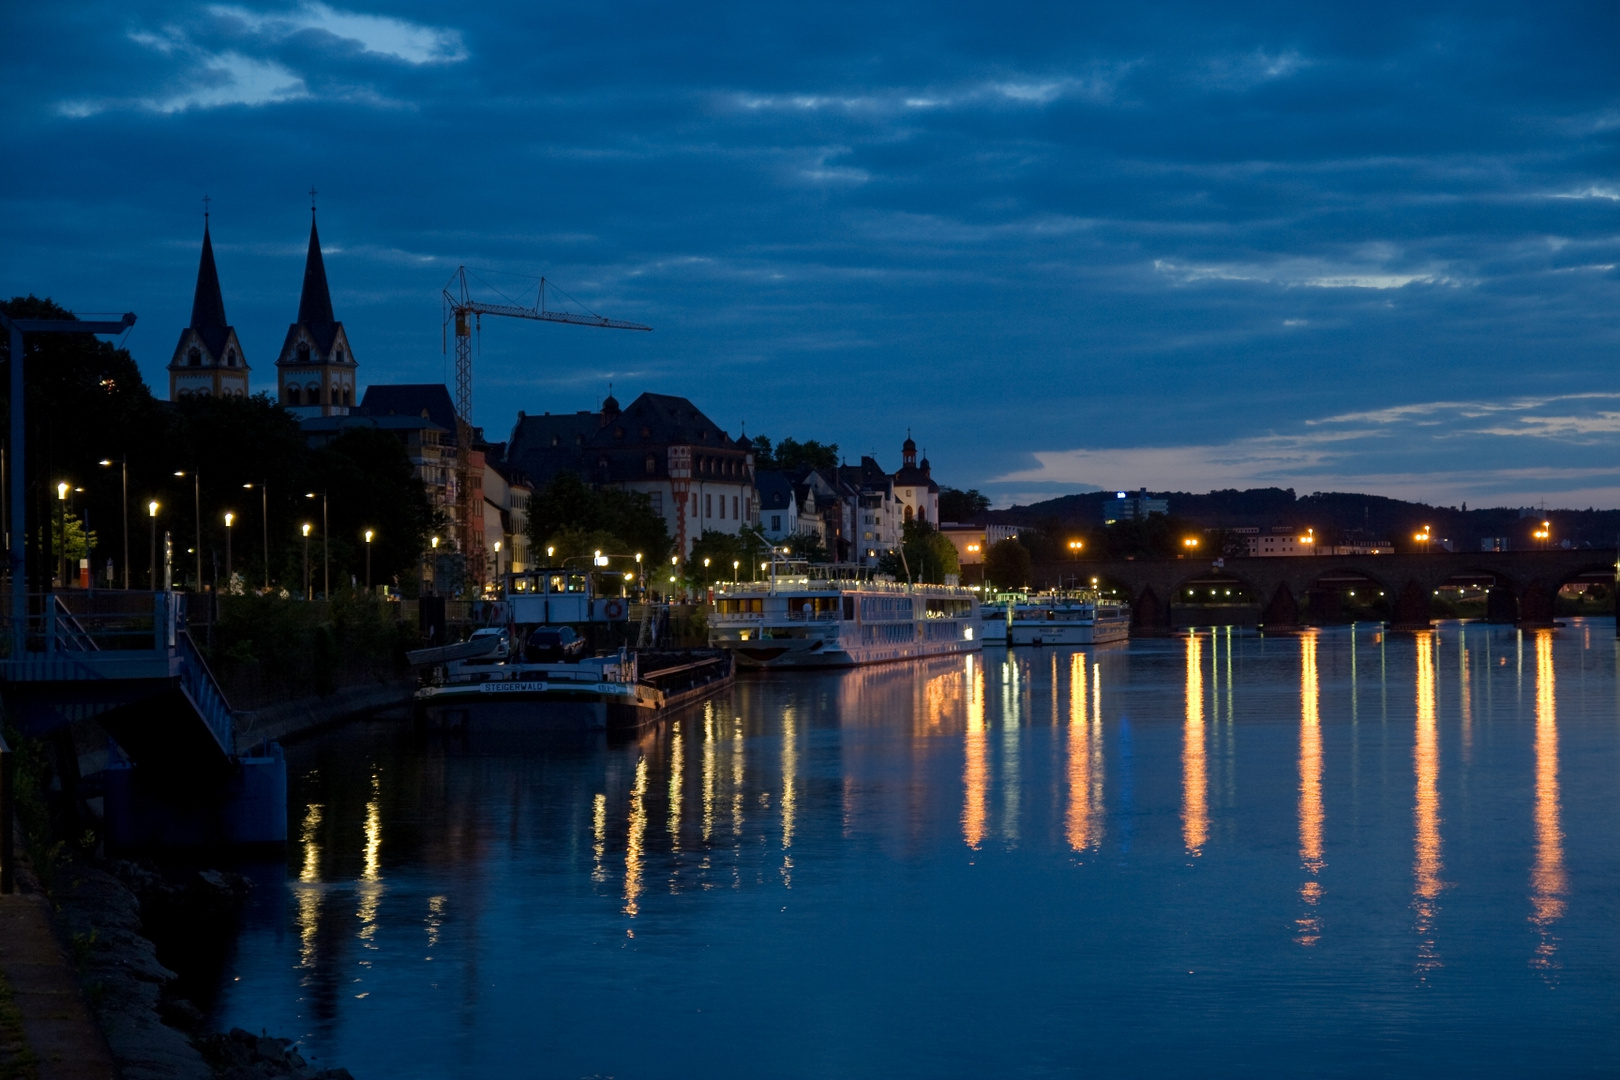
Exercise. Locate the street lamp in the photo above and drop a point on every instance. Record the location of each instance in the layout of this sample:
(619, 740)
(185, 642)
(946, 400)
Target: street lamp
(1544, 533)
(1423, 538)
(497, 561)
(1074, 548)
(1309, 538)
(264, 519)
(306, 561)
(550, 551)
(123, 464)
(230, 519)
(369, 535)
(1190, 543)
(196, 509)
(151, 512)
(61, 517)
(326, 549)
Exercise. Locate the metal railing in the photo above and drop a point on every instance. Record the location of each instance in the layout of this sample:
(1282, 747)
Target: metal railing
(199, 684)
(8, 779)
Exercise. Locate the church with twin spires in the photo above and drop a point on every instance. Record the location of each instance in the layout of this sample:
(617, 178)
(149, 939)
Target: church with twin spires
(315, 373)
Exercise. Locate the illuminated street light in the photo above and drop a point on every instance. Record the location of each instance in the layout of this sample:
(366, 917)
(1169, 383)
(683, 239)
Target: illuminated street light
(306, 561)
(369, 535)
(151, 512)
(230, 519)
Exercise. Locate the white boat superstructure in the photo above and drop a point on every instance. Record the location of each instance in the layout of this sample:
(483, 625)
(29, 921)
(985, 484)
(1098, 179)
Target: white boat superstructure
(1080, 617)
(839, 616)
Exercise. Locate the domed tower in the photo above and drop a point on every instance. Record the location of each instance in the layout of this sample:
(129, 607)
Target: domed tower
(208, 361)
(908, 453)
(316, 369)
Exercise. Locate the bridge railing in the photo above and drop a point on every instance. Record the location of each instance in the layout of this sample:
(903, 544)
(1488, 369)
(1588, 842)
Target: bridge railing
(74, 623)
(198, 681)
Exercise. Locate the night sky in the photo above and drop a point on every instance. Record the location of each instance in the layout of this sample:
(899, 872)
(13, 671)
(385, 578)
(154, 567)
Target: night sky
(1067, 246)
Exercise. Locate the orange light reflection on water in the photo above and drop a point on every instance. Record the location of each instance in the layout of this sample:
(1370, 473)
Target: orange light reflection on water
(634, 845)
(1426, 865)
(1194, 768)
(975, 772)
(1083, 821)
(1548, 880)
(1310, 790)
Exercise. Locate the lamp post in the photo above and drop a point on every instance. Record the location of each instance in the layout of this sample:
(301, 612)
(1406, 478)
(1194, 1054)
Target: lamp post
(369, 535)
(123, 466)
(1074, 549)
(264, 519)
(151, 512)
(497, 560)
(306, 562)
(230, 518)
(326, 549)
(196, 507)
(61, 528)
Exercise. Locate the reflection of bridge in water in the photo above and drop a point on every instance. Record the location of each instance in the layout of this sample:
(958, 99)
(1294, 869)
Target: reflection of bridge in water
(1521, 585)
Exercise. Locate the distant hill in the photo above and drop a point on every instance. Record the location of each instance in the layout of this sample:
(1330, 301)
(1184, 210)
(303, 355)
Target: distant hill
(1334, 515)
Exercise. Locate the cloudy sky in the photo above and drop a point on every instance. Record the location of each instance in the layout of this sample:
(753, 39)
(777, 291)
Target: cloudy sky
(1068, 246)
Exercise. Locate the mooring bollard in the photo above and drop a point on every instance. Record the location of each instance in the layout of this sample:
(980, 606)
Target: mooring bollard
(8, 764)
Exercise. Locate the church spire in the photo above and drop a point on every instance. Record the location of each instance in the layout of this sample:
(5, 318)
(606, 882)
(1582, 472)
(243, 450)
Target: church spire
(315, 303)
(208, 304)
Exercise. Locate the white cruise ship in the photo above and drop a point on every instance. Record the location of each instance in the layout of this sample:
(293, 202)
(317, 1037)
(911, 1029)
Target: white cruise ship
(1070, 618)
(839, 616)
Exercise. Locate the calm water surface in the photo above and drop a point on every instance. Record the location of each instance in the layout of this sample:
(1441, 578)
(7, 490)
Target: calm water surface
(1332, 854)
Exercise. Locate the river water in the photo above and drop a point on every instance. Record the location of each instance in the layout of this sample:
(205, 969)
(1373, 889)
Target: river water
(1335, 853)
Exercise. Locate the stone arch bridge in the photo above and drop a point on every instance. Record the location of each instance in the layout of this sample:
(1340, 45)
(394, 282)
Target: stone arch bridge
(1521, 584)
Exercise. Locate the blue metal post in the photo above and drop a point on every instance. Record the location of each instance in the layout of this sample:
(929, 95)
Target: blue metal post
(14, 554)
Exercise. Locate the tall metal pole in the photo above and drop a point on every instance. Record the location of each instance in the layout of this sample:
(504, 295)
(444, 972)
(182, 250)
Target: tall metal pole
(264, 508)
(326, 552)
(125, 465)
(196, 510)
(15, 556)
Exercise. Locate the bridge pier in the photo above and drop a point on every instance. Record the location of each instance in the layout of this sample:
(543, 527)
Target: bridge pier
(1283, 610)
(1536, 605)
(1326, 607)
(1149, 617)
(1501, 606)
(1412, 610)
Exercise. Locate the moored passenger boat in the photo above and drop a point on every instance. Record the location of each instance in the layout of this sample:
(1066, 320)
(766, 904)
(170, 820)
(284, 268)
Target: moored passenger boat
(839, 616)
(1081, 617)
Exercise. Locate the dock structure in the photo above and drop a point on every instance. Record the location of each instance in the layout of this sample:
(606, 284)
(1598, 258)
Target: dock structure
(125, 661)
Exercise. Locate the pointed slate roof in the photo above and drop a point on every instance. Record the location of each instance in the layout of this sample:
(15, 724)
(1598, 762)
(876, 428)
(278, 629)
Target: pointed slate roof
(208, 304)
(315, 302)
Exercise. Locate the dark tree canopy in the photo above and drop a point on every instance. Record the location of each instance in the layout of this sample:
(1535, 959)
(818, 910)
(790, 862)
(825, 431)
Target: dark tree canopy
(961, 506)
(791, 454)
(1007, 564)
(622, 522)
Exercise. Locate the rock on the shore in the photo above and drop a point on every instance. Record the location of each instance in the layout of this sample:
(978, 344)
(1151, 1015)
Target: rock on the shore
(242, 1055)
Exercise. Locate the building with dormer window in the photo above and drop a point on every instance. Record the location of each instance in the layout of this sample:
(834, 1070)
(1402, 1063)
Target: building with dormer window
(209, 360)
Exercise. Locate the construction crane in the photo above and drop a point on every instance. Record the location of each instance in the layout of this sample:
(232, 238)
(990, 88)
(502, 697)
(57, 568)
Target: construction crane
(467, 314)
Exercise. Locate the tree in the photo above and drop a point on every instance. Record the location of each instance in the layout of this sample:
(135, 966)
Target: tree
(1007, 564)
(805, 545)
(623, 522)
(963, 506)
(791, 454)
(721, 550)
(929, 555)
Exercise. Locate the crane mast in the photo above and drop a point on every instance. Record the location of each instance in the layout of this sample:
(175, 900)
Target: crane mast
(467, 314)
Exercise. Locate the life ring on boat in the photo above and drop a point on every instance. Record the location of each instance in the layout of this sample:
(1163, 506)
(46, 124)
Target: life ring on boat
(615, 609)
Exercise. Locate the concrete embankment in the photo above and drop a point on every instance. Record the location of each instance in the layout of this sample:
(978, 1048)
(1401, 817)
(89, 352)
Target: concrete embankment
(301, 716)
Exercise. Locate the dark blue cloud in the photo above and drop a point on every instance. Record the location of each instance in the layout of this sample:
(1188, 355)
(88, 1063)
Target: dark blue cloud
(1139, 243)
